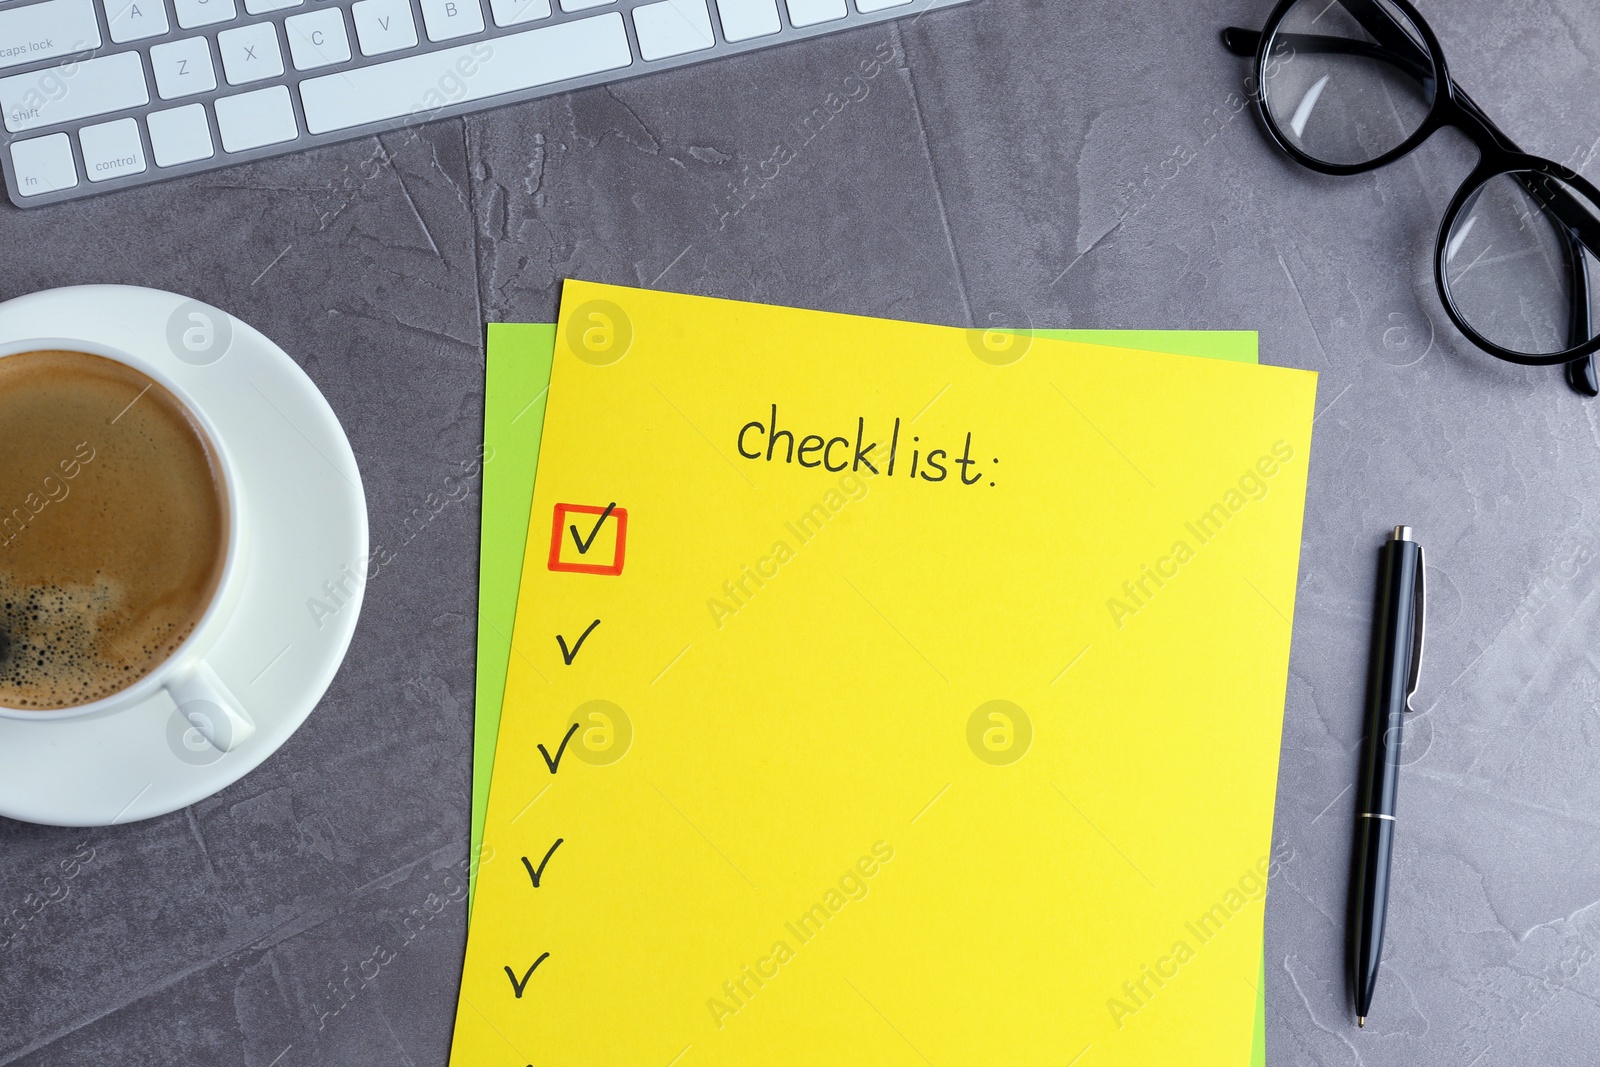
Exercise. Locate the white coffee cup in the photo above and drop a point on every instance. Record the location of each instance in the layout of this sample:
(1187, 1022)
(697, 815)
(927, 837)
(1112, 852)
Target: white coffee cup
(214, 714)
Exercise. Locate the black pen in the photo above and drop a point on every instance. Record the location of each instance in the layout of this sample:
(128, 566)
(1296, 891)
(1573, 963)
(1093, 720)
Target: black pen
(1396, 659)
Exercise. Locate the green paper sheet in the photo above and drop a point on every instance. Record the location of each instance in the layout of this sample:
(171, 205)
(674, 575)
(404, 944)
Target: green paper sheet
(517, 379)
(1235, 346)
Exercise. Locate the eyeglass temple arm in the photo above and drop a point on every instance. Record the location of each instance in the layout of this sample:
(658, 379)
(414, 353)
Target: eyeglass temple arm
(1244, 43)
(1582, 374)
(1393, 43)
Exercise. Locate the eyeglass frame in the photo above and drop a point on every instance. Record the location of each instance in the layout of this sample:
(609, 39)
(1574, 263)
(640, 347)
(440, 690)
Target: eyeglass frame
(1452, 107)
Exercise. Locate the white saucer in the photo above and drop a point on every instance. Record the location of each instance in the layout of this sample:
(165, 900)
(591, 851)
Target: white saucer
(307, 524)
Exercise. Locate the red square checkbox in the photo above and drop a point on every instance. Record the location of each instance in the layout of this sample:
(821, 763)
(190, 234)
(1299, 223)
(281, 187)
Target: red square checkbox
(593, 545)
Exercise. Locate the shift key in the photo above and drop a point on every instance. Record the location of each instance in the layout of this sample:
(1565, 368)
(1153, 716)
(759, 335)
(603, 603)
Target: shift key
(46, 97)
(45, 31)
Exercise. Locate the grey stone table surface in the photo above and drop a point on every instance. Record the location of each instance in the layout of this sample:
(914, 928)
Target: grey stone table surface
(1080, 163)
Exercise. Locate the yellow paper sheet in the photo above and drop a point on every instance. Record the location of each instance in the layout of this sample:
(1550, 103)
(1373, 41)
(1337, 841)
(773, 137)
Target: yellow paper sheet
(877, 769)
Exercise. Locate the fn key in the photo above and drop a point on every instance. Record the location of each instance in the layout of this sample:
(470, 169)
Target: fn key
(43, 165)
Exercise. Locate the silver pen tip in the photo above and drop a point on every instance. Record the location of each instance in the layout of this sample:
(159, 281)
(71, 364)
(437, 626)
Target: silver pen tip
(1361, 1021)
(1401, 533)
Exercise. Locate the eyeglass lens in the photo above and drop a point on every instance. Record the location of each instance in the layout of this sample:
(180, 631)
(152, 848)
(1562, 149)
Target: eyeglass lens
(1515, 267)
(1347, 80)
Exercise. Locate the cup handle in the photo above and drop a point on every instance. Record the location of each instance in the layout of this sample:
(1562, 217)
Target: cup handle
(210, 707)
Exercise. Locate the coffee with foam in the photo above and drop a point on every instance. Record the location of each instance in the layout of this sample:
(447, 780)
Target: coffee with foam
(113, 528)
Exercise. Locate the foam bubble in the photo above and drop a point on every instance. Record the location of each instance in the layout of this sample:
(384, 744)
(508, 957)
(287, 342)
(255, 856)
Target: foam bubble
(60, 647)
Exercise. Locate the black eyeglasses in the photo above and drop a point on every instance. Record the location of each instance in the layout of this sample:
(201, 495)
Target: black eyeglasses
(1346, 86)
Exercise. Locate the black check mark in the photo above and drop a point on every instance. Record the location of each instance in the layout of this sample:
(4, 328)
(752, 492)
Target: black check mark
(517, 986)
(535, 874)
(583, 543)
(569, 656)
(554, 763)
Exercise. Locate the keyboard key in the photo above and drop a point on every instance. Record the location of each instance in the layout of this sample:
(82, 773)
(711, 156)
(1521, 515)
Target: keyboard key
(194, 13)
(672, 27)
(866, 7)
(745, 19)
(511, 12)
(317, 39)
(446, 20)
(261, 7)
(111, 150)
(180, 135)
(423, 83)
(44, 31)
(383, 26)
(250, 53)
(583, 5)
(98, 87)
(812, 12)
(134, 20)
(43, 165)
(254, 120)
(183, 68)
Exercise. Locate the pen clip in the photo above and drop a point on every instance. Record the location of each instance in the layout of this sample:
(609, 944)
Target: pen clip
(1417, 631)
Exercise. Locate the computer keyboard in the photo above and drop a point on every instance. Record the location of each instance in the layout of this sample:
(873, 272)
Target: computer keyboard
(106, 94)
